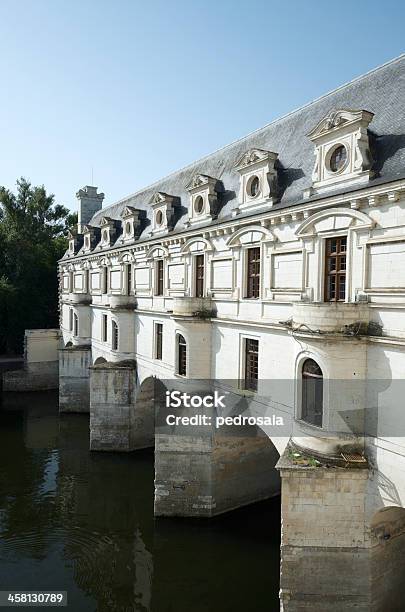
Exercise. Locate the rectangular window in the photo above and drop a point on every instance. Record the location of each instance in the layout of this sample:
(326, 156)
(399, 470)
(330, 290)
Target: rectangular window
(70, 320)
(75, 325)
(129, 279)
(251, 363)
(199, 276)
(335, 269)
(182, 355)
(158, 340)
(159, 277)
(105, 280)
(104, 328)
(253, 273)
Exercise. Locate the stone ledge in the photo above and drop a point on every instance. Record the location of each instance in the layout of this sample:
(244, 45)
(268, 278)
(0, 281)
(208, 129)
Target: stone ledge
(126, 364)
(313, 462)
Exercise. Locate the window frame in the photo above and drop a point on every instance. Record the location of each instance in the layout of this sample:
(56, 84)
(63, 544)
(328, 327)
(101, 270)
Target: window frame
(339, 275)
(249, 292)
(128, 278)
(104, 328)
(115, 335)
(159, 277)
(104, 287)
(75, 325)
(307, 376)
(181, 360)
(199, 283)
(158, 341)
(246, 365)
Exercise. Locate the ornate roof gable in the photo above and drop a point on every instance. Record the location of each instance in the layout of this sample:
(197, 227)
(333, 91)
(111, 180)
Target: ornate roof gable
(339, 118)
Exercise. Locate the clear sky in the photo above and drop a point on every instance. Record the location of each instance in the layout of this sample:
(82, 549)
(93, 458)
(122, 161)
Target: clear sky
(136, 90)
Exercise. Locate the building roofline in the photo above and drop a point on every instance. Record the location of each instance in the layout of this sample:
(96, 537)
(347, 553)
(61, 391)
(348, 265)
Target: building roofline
(399, 58)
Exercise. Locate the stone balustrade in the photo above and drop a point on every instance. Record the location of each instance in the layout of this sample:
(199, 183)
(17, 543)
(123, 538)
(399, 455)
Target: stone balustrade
(192, 306)
(328, 316)
(123, 302)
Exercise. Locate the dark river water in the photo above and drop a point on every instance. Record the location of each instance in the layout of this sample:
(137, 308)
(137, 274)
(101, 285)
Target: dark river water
(83, 522)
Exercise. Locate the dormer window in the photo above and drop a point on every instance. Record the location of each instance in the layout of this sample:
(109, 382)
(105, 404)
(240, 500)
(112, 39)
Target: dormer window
(75, 242)
(132, 220)
(258, 180)
(163, 210)
(108, 231)
(91, 237)
(342, 150)
(203, 191)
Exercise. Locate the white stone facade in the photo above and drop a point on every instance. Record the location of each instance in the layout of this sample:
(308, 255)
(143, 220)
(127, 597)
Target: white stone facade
(114, 297)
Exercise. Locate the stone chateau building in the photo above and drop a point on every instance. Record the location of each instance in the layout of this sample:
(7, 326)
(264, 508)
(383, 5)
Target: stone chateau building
(275, 267)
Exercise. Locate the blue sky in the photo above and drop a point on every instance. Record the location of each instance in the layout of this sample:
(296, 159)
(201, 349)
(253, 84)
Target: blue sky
(136, 89)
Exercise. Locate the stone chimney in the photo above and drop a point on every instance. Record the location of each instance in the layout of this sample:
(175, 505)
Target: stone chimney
(90, 202)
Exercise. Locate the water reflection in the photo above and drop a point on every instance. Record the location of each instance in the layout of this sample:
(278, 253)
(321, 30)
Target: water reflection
(83, 522)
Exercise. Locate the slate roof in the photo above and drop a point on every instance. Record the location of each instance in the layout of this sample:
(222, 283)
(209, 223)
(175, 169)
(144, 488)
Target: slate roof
(381, 91)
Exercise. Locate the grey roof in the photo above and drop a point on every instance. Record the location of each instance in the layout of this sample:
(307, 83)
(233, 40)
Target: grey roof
(381, 91)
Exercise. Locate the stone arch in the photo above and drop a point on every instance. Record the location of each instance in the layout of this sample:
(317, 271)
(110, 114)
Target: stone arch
(68, 344)
(197, 244)
(250, 234)
(347, 217)
(125, 258)
(100, 360)
(157, 251)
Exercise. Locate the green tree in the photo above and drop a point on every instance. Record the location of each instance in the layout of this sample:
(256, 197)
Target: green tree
(33, 233)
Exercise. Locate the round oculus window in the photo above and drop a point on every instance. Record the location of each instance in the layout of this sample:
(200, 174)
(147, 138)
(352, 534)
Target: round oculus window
(253, 186)
(338, 158)
(159, 217)
(198, 205)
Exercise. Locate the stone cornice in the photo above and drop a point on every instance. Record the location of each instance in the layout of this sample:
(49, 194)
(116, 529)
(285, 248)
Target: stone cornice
(368, 196)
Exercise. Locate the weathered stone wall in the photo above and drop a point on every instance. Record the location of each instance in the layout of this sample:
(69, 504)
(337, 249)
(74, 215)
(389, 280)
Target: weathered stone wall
(118, 422)
(74, 390)
(325, 547)
(204, 475)
(40, 371)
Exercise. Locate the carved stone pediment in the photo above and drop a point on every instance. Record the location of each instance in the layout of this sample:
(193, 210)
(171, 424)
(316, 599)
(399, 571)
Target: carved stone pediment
(129, 211)
(253, 156)
(106, 221)
(200, 180)
(339, 118)
(160, 197)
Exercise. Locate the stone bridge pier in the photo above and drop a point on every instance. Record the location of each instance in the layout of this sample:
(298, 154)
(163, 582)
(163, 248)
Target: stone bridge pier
(199, 470)
(122, 412)
(74, 389)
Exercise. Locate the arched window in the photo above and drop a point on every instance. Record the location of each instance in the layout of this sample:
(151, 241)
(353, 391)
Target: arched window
(182, 355)
(114, 335)
(75, 325)
(312, 393)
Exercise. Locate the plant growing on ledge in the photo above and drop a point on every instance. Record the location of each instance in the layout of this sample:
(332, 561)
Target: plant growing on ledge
(32, 239)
